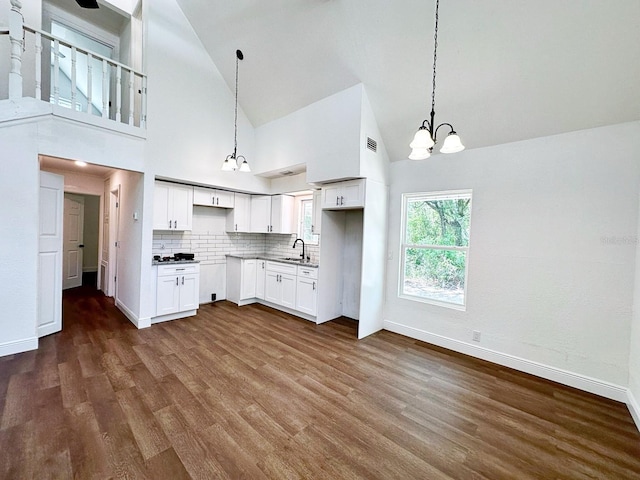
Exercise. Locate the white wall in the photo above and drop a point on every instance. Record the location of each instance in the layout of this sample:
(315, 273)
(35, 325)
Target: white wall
(19, 184)
(546, 284)
(191, 108)
(325, 135)
(352, 263)
(373, 165)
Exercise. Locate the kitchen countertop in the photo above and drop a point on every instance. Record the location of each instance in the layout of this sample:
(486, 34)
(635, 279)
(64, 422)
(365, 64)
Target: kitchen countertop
(258, 256)
(174, 262)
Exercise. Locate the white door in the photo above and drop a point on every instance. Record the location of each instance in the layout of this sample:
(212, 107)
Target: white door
(189, 292)
(306, 296)
(161, 215)
(272, 289)
(168, 295)
(288, 289)
(260, 214)
(181, 207)
(331, 196)
(50, 254)
(248, 287)
(260, 279)
(72, 241)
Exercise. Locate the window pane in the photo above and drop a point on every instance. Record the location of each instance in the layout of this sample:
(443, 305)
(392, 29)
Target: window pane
(307, 220)
(438, 221)
(435, 274)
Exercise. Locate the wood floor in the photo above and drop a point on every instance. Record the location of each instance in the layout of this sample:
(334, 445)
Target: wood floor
(254, 393)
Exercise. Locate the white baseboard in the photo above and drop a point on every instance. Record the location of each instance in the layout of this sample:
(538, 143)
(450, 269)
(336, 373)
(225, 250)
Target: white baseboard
(133, 318)
(18, 346)
(634, 408)
(582, 382)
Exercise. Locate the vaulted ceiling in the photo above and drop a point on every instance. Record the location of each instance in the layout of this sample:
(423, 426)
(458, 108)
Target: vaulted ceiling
(508, 70)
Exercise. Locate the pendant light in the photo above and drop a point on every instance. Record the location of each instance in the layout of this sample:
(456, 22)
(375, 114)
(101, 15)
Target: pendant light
(231, 162)
(425, 138)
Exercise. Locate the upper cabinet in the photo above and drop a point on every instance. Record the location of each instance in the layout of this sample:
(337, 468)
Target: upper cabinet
(272, 214)
(342, 195)
(239, 218)
(317, 212)
(172, 206)
(209, 197)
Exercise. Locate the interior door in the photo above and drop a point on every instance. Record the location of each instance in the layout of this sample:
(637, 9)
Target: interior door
(72, 241)
(50, 254)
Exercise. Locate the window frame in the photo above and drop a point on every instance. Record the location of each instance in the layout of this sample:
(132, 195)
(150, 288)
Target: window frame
(406, 197)
(302, 200)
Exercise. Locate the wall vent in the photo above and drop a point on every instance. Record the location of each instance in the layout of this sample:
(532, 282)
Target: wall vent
(372, 144)
(286, 173)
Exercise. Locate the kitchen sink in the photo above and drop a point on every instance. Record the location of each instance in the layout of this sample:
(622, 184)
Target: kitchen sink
(289, 259)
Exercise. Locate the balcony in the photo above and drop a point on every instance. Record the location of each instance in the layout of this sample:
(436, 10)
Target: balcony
(70, 81)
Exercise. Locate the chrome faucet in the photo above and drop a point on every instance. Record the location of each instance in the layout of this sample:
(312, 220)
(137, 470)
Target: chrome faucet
(294, 246)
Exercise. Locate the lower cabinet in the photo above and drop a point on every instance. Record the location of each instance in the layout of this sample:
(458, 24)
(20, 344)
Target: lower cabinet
(261, 278)
(307, 295)
(177, 289)
(248, 279)
(280, 284)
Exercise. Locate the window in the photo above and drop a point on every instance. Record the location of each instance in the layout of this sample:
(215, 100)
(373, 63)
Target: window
(435, 247)
(306, 221)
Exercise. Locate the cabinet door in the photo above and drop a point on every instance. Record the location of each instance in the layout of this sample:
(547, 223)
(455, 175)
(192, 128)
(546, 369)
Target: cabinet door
(224, 199)
(248, 282)
(307, 296)
(260, 278)
(331, 196)
(204, 196)
(282, 214)
(288, 289)
(260, 214)
(352, 194)
(189, 291)
(272, 290)
(239, 218)
(317, 212)
(182, 214)
(168, 295)
(161, 207)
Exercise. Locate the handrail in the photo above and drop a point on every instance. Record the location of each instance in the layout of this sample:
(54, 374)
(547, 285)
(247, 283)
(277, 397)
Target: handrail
(83, 50)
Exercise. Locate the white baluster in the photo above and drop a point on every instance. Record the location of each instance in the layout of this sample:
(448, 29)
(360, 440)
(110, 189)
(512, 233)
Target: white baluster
(118, 93)
(131, 97)
(38, 66)
(15, 37)
(89, 84)
(56, 71)
(143, 104)
(73, 78)
(105, 92)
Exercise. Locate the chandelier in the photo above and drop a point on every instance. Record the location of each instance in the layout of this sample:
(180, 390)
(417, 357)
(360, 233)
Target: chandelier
(425, 138)
(231, 162)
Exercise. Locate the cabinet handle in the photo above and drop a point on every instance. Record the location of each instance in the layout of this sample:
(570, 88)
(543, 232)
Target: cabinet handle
(236, 227)
(175, 224)
(267, 228)
(213, 200)
(314, 285)
(183, 280)
(176, 280)
(218, 201)
(337, 200)
(263, 265)
(180, 269)
(169, 223)
(341, 200)
(271, 228)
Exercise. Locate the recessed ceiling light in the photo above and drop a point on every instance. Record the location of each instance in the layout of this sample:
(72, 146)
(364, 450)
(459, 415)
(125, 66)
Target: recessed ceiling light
(81, 163)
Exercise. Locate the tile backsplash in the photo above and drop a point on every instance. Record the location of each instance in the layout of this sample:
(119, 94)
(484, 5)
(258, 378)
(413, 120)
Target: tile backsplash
(210, 243)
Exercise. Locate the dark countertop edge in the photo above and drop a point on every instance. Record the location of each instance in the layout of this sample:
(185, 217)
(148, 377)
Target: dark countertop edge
(174, 262)
(259, 256)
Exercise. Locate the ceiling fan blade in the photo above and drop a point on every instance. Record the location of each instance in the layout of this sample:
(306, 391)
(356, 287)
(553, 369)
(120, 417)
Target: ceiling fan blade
(88, 3)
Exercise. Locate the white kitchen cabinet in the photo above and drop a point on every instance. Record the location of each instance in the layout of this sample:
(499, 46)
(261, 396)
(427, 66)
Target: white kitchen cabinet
(280, 284)
(343, 195)
(177, 289)
(307, 296)
(272, 214)
(248, 279)
(208, 197)
(172, 206)
(317, 212)
(239, 217)
(261, 214)
(261, 270)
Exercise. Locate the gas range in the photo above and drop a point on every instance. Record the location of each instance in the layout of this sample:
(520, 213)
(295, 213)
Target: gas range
(177, 257)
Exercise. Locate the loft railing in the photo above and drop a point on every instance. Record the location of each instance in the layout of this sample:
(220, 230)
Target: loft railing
(79, 79)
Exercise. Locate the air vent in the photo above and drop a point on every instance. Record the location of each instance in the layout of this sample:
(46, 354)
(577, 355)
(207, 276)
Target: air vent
(286, 173)
(372, 144)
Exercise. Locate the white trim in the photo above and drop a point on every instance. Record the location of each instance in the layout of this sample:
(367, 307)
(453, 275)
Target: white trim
(18, 346)
(576, 380)
(133, 318)
(173, 316)
(634, 408)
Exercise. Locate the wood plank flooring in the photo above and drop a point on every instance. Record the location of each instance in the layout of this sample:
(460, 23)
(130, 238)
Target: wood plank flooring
(255, 393)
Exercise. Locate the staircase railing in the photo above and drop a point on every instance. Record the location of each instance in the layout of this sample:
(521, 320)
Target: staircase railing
(115, 81)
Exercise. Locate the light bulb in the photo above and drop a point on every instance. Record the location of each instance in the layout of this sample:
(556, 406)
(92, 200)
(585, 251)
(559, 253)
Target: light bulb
(452, 144)
(422, 139)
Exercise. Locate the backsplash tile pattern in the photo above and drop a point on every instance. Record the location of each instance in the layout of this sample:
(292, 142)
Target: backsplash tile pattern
(212, 248)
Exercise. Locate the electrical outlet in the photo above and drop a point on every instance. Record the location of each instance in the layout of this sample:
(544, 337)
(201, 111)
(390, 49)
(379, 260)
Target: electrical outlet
(213, 297)
(476, 335)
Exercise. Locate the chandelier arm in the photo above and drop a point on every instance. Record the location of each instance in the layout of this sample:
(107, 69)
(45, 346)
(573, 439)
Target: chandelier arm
(435, 133)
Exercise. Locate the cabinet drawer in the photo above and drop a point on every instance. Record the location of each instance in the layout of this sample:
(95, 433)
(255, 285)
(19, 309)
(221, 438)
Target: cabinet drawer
(281, 267)
(307, 272)
(180, 269)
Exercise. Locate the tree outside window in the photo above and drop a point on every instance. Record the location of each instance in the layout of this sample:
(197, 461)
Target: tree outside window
(435, 247)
